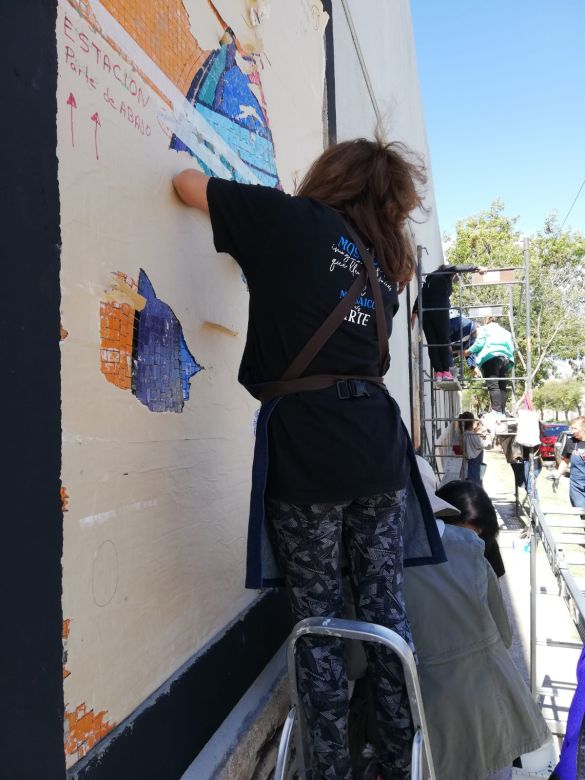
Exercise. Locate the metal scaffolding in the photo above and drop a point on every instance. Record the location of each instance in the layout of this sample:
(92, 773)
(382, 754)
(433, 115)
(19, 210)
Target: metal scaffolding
(538, 527)
(430, 390)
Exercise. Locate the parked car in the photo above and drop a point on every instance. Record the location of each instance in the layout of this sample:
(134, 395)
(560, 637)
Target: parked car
(559, 447)
(550, 433)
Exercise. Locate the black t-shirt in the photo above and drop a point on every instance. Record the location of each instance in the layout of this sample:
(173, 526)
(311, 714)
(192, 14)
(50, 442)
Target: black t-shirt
(535, 451)
(299, 261)
(571, 445)
(438, 286)
(437, 289)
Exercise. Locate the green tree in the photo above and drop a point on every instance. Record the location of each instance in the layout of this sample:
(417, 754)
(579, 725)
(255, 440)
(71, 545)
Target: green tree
(571, 396)
(542, 398)
(475, 399)
(557, 281)
(560, 395)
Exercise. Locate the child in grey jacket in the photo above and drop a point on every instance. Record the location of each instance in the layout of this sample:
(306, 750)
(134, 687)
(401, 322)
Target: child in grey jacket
(479, 711)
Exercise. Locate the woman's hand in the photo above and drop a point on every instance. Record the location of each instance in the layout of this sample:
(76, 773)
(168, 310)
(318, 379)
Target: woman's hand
(191, 186)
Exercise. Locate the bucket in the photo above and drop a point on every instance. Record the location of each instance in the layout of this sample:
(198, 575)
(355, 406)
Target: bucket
(521, 545)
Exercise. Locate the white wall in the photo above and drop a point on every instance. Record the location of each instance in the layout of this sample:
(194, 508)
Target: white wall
(385, 37)
(154, 532)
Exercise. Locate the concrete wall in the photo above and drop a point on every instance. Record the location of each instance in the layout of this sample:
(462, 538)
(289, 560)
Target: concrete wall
(157, 435)
(123, 557)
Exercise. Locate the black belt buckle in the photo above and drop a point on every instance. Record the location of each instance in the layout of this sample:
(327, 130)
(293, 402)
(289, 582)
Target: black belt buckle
(343, 390)
(352, 388)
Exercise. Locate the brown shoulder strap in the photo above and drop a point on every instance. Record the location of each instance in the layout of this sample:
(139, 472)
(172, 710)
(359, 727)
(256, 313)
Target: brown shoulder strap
(382, 330)
(334, 320)
(327, 329)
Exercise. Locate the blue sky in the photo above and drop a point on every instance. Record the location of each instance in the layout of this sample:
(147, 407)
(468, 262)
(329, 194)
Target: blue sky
(503, 89)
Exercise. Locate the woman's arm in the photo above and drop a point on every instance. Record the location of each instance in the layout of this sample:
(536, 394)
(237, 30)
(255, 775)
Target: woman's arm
(563, 466)
(414, 314)
(191, 186)
(461, 269)
(477, 344)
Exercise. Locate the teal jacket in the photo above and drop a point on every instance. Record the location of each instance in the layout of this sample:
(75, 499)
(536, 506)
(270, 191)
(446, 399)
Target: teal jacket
(492, 341)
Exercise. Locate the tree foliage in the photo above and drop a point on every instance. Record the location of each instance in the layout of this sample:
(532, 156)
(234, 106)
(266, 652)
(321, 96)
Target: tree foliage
(560, 396)
(557, 285)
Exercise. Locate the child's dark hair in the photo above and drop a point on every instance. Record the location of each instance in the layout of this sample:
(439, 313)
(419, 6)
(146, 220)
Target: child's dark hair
(467, 420)
(475, 507)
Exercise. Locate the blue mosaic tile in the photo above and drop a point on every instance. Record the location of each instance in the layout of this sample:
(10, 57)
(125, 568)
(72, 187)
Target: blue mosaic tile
(162, 363)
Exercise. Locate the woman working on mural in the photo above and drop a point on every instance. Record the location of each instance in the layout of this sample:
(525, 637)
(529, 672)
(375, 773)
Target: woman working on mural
(332, 458)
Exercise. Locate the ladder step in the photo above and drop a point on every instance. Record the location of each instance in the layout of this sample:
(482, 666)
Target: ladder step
(569, 538)
(568, 523)
(568, 512)
(451, 385)
(575, 560)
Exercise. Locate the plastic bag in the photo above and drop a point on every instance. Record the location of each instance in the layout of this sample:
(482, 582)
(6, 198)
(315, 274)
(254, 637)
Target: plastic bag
(528, 433)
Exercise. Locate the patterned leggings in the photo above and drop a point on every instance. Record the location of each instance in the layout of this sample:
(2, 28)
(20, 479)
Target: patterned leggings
(308, 541)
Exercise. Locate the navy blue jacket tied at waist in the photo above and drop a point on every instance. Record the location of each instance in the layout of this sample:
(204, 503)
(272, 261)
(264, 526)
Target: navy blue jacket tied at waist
(421, 539)
(422, 543)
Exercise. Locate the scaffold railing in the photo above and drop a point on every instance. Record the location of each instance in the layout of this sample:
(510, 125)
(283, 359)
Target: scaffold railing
(436, 414)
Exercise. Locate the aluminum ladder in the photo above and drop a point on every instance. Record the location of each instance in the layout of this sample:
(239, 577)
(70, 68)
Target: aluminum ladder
(422, 763)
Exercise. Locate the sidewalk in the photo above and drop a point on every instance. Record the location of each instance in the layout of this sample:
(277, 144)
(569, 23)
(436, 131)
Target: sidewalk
(558, 642)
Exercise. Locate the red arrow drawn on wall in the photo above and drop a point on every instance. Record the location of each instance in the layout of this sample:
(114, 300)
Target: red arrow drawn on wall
(96, 118)
(71, 102)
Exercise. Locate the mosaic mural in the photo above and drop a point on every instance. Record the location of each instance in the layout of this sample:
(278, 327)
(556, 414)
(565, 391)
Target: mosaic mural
(212, 103)
(223, 93)
(146, 86)
(211, 106)
(83, 727)
(142, 346)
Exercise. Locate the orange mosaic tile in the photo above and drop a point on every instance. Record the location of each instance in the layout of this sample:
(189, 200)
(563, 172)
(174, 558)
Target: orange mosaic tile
(85, 9)
(116, 336)
(162, 29)
(83, 729)
(65, 636)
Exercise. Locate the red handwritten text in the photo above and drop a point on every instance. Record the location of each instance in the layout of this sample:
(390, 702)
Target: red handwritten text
(72, 104)
(128, 113)
(76, 67)
(95, 118)
(87, 48)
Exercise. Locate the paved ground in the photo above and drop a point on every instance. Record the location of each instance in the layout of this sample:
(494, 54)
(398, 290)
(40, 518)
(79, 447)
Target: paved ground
(558, 642)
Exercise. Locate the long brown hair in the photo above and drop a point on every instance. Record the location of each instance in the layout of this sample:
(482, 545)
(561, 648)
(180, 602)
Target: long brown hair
(376, 185)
